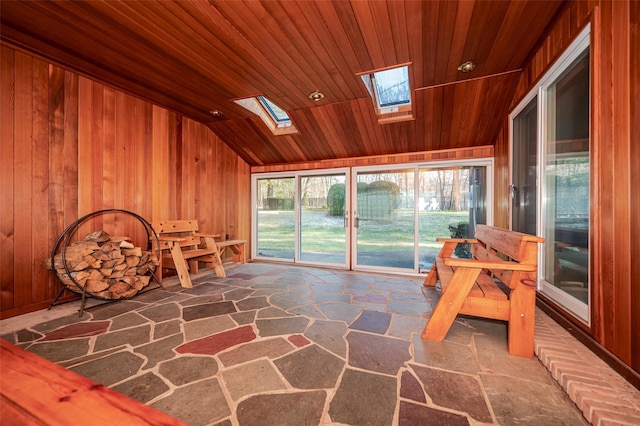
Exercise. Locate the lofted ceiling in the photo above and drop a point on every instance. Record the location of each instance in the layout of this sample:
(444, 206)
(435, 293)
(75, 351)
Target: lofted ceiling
(197, 56)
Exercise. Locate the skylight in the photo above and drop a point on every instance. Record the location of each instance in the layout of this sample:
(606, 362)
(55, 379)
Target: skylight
(392, 87)
(277, 113)
(276, 119)
(391, 93)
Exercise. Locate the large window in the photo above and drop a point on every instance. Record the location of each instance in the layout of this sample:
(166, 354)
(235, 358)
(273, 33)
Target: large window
(551, 176)
(369, 218)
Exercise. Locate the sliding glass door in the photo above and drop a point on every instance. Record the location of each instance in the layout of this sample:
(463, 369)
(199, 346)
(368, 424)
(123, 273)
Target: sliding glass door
(369, 218)
(453, 200)
(323, 219)
(275, 233)
(384, 219)
(302, 218)
(551, 176)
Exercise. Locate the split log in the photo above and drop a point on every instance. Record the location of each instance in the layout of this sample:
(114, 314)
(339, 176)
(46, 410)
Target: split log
(107, 267)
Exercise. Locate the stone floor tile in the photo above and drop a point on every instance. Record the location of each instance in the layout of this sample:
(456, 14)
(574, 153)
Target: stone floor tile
(205, 327)
(372, 322)
(281, 326)
(196, 404)
(329, 335)
(331, 297)
(270, 348)
(82, 329)
(403, 326)
(253, 378)
(375, 402)
(215, 343)
(132, 336)
(252, 303)
(370, 298)
(446, 355)
(166, 329)
(493, 356)
(242, 318)
(377, 353)
(523, 402)
(414, 414)
(91, 357)
(142, 388)
(191, 313)
(328, 288)
(410, 388)
(340, 311)
(415, 297)
(127, 320)
(22, 336)
(162, 312)
(159, 350)
(460, 392)
(298, 340)
(111, 369)
(53, 324)
(188, 369)
(288, 301)
(201, 300)
(311, 368)
(113, 309)
(238, 294)
(408, 307)
(284, 409)
(153, 295)
(273, 313)
(61, 350)
(206, 288)
(309, 311)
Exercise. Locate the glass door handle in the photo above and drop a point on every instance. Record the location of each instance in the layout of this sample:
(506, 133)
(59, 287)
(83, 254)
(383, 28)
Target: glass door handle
(513, 191)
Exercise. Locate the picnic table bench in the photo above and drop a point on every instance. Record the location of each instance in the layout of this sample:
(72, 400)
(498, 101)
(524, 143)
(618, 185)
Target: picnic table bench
(498, 282)
(182, 248)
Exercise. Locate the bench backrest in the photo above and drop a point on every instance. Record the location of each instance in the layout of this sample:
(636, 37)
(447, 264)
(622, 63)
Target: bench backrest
(177, 228)
(516, 246)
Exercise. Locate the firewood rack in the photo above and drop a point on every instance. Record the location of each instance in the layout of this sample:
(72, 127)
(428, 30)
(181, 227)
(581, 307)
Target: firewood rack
(64, 238)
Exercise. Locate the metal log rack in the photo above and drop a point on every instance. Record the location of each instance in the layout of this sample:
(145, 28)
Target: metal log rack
(64, 238)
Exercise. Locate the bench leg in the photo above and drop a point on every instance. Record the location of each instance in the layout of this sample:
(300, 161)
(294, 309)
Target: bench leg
(181, 266)
(522, 321)
(449, 304)
(238, 253)
(432, 278)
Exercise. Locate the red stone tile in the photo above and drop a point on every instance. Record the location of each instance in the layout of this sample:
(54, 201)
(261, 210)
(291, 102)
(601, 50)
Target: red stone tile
(83, 329)
(299, 340)
(215, 343)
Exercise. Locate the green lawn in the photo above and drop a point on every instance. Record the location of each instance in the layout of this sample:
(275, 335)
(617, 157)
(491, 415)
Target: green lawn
(323, 233)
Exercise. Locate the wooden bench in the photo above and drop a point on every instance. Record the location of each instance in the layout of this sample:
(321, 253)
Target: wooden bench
(35, 391)
(236, 247)
(182, 248)
(487, 285)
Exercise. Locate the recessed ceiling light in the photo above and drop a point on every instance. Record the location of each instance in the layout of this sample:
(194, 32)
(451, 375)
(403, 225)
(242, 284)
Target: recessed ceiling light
(316, 96)
(467, 66)
(216, 113)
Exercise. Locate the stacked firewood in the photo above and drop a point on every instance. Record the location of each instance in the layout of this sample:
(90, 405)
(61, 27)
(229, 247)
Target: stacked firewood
(108, 267)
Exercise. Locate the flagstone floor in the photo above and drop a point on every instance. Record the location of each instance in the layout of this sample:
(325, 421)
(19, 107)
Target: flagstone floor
(287, 345)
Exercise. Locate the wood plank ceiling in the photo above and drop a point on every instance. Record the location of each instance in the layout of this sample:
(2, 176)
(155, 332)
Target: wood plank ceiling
(196, 56)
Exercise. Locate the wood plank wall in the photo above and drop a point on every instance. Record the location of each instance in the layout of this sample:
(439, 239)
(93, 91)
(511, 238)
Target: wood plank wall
(71, 146)
(615, 148)
(377, 160)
